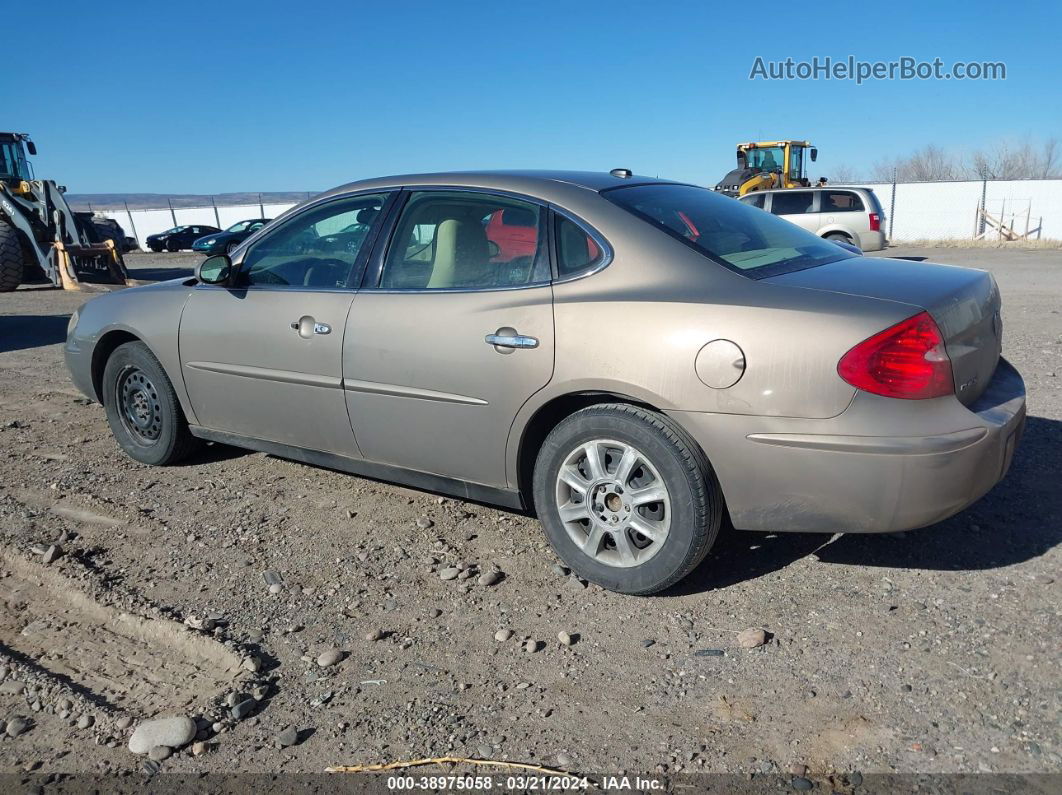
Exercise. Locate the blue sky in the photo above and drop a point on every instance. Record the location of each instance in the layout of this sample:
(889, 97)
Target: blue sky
(226, 96)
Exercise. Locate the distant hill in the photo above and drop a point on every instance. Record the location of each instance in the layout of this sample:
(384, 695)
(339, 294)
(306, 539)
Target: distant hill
(144, 201)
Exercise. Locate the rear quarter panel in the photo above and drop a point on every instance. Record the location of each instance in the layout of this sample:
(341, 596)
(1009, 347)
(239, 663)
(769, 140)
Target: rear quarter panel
(636, 328)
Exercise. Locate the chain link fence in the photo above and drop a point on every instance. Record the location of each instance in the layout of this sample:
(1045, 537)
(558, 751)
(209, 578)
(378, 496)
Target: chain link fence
(914, 211)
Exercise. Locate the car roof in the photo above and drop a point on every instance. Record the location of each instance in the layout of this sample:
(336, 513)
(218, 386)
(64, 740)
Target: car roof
(811, 187)
(538, 183)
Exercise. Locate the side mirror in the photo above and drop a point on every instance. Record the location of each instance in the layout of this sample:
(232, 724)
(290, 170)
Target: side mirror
(214, 270)
(814, 154)
(31, 147)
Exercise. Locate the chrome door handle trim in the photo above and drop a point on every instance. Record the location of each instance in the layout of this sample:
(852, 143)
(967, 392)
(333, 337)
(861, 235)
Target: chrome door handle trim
(513, 341)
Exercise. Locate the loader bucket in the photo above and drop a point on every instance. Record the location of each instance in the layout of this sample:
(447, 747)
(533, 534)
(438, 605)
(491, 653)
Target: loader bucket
(91, 267)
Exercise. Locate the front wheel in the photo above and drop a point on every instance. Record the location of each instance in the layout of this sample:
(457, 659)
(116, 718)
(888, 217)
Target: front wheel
(627, 500)
(173, 246)
(142, 408)
(231, 246)
(11, 258)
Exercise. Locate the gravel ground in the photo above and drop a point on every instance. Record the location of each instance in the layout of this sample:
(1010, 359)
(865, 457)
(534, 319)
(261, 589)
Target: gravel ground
(299, 615)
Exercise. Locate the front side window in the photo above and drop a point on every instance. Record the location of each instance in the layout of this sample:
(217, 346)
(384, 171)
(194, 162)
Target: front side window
(792, 202)
(316, 248)
(466, 240)
(726, 231)
(840, 201)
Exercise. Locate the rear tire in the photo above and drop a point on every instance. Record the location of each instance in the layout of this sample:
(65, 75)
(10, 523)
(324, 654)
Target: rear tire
(11, 258)
(142, 407)
(841, 238)
(642, 517)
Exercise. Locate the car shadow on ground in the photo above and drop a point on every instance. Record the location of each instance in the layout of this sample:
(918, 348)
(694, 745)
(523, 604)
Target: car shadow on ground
(19, 332)
(1017, 521)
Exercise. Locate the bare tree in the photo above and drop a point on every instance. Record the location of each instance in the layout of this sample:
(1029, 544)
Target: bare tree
(931, 163)
(1023, 159)
(844, 173)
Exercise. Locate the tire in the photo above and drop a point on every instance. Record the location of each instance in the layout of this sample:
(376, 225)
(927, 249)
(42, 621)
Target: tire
(11, 258)
(687, 519)
(840, 237)
(173, 246)
(156, 248)
(142, 408)
(231, 246)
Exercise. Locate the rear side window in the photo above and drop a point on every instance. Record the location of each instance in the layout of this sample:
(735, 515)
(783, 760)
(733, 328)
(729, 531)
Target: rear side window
(754, 200)
(576, 250)
(797, 202)
(466, 240)
(841, 201)
(727, 232)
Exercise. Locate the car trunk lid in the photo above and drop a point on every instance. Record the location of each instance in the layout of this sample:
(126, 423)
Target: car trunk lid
(964, 302)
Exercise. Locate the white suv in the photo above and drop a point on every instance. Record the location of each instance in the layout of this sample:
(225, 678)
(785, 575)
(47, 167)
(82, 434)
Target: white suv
(849, 215)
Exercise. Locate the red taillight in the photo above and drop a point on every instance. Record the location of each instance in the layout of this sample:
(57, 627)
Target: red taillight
(875, 222)
(907, 360)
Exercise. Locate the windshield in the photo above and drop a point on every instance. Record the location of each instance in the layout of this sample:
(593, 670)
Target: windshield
(769, 158)
(239, 227)
(13, 161)
(175, 229)
(737, 236)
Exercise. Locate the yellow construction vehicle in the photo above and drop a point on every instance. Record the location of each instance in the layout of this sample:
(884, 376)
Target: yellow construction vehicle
(41, 238)
(768, 164)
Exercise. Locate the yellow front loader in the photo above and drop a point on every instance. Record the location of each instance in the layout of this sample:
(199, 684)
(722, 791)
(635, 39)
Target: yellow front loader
(764, 165)
(41, 238)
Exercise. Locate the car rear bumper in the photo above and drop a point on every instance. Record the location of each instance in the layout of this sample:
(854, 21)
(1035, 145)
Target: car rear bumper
(843, 476)
(872, 241)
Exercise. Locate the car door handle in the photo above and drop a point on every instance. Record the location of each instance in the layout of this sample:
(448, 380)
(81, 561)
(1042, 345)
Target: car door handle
(511, 341)
(307, 327)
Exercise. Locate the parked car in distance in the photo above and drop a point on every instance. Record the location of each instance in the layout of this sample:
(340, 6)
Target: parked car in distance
(643, 358)
(227, 241)
(179, 237)
(849, 215)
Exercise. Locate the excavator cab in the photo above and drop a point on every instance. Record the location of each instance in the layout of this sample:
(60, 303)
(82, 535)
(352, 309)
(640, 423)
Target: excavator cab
(14, 166)
(768, 164)
(41, 238)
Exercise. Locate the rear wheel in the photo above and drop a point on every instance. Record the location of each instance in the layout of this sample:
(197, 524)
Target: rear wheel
(840, 237)
(142, 408)
(11, 258)
(627, 500)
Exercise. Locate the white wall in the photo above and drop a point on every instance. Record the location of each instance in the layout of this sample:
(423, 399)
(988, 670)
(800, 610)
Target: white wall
(947, 210)
(923, 210)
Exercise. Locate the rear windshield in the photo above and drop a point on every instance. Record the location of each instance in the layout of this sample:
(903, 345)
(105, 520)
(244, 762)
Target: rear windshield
(739, 237)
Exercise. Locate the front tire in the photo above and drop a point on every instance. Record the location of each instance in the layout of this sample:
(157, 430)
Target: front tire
(231, 246)
(173, 246)
(626, 498)
(11, 258)
(142, 407)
